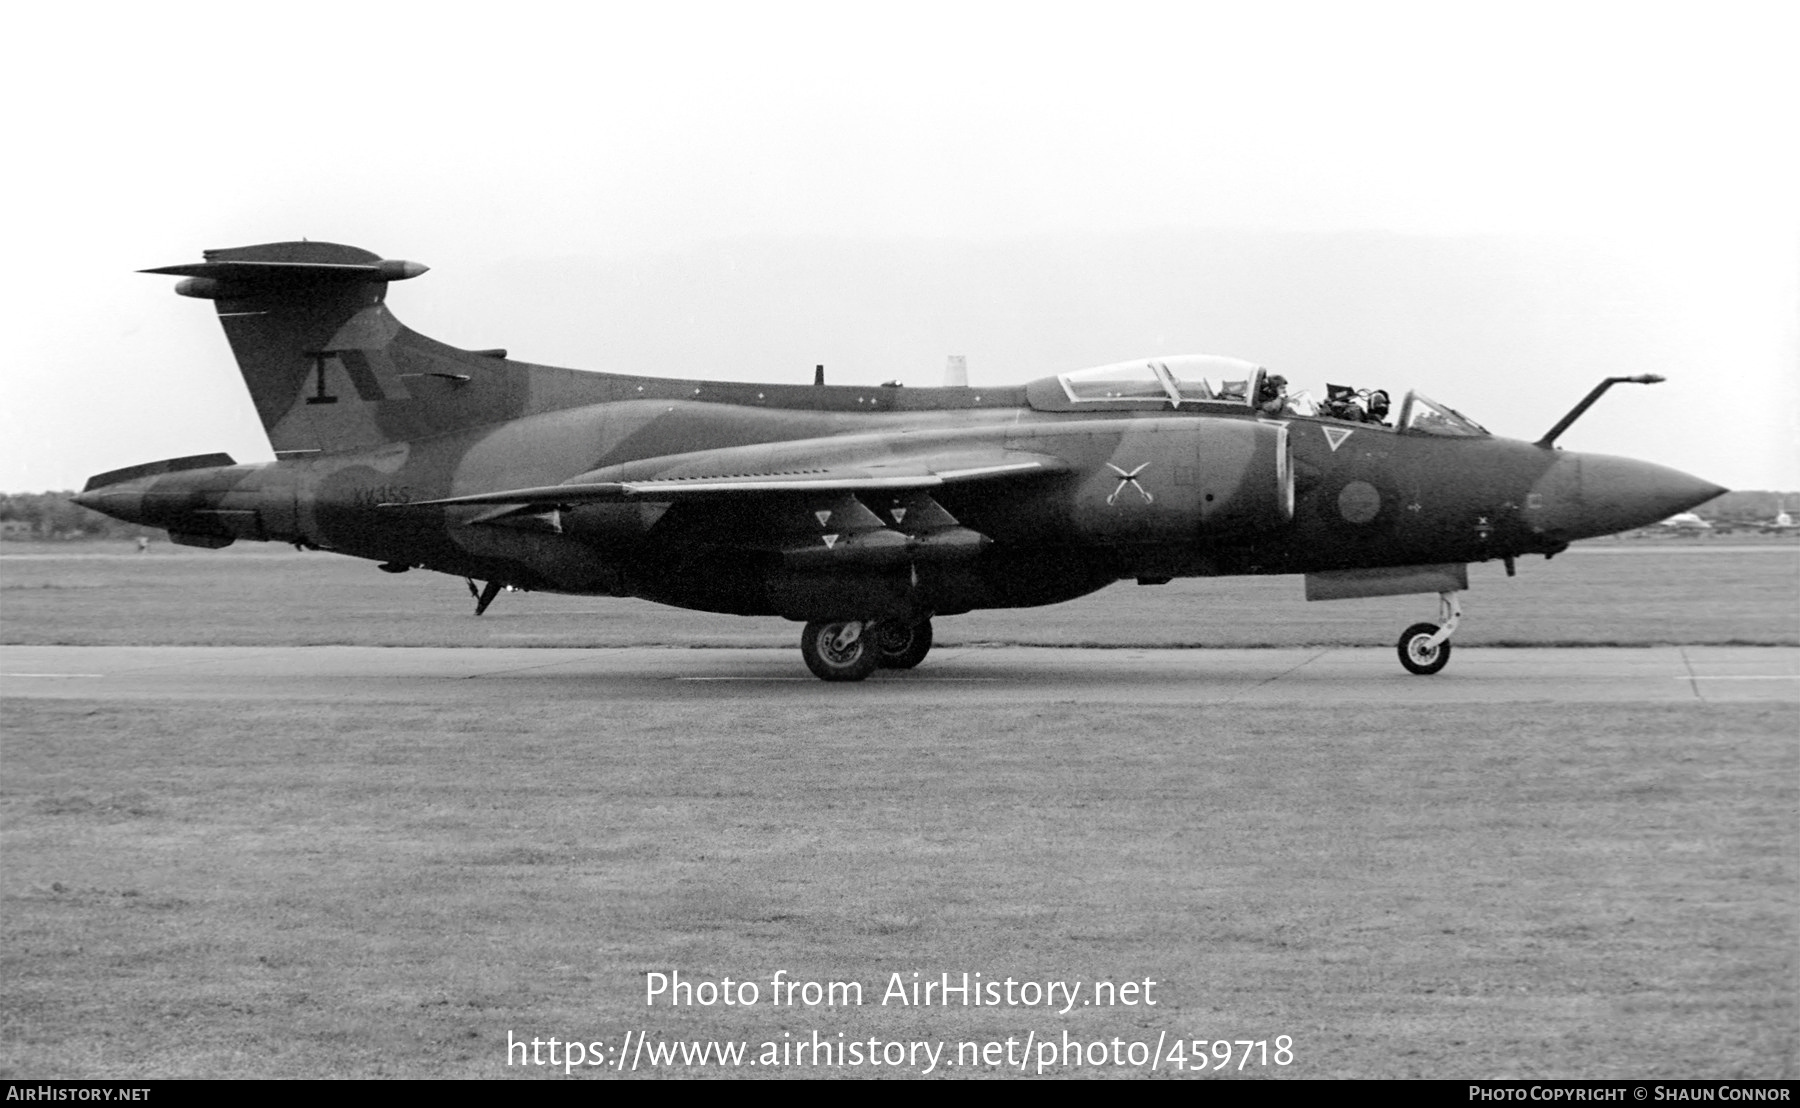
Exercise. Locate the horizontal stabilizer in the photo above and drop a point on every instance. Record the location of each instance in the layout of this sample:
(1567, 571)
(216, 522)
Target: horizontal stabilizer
(871, 479)
(246, 272)
(262, 272)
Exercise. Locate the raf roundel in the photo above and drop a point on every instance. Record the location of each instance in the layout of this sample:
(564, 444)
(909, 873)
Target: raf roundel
(1359, 502)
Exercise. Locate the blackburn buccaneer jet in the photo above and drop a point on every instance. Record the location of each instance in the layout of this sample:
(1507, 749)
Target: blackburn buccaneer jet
(862, 512)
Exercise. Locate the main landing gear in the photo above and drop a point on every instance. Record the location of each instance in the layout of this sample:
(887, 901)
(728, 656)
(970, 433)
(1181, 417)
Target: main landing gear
(850, 650)
(903, 645)
(1425, 647)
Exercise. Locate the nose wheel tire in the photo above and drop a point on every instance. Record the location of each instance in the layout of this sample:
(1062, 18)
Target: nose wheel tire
(1417, 653)
(903, 645)
(840, 650)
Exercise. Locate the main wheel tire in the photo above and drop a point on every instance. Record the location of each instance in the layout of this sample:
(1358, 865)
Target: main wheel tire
(1416, 652)
(903, 645)
(840, 650)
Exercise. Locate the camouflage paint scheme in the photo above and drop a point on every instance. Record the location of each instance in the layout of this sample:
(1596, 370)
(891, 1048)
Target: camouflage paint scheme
(818, 502)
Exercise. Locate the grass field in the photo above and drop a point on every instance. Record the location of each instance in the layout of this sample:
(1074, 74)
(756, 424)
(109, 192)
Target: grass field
(1554, 893)
(215, 887)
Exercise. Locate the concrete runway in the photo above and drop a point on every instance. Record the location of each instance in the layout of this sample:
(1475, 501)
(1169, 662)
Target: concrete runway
(950, 677)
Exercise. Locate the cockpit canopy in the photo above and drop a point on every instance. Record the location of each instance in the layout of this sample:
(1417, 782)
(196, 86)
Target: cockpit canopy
(1219, 383)
(1152, 382)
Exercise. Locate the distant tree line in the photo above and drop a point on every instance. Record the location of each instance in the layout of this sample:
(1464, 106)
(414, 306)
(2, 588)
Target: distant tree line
(52, 515)
(1747, 507)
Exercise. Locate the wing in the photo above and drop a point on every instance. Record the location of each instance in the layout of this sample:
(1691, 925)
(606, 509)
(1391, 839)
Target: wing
(848, 479)
(844, 514)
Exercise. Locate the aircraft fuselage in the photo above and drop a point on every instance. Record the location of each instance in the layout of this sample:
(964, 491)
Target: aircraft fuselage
(1206, 496)
(853, 508)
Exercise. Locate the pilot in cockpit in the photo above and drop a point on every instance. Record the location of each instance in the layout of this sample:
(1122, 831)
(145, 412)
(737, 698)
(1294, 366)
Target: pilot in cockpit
(1378, 407)
(1340, 403)
(1356, 405)
(1271, 395)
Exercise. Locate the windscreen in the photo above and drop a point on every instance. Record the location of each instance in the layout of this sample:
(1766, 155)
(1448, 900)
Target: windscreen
(1426, 416)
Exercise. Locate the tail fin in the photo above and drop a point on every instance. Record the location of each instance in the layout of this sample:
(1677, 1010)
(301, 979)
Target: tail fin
(328, 366)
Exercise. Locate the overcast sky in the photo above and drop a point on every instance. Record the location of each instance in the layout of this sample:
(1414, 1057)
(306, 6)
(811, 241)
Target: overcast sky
(1497, 204)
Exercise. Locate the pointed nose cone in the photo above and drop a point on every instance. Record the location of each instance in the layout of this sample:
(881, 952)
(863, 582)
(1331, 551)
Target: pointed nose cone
(1584, 495)
(122, 501)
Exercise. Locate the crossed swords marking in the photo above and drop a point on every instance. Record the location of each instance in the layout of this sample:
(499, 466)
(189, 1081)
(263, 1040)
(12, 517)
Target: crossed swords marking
(1131, 479)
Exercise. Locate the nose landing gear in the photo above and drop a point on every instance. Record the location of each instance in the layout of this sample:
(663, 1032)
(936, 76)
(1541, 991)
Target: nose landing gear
(1425, 647)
